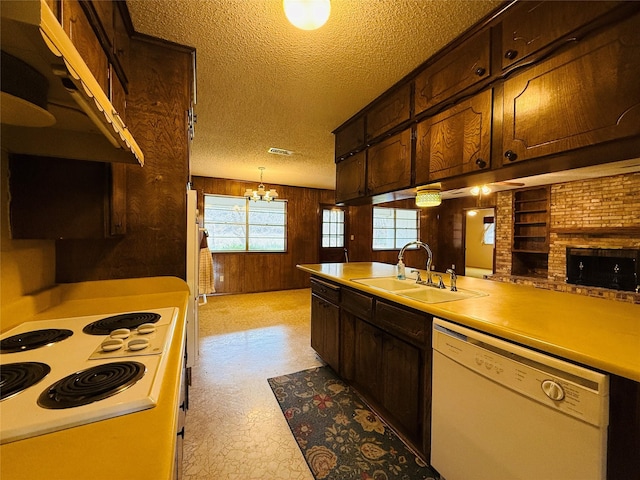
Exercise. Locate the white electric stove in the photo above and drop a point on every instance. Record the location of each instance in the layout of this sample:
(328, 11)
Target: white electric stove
(62, 373)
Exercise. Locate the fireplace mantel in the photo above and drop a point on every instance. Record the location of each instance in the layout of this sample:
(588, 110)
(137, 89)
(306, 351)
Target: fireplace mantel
(597, 231)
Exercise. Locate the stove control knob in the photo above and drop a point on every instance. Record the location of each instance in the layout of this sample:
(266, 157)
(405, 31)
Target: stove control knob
(120, 333)
(138, 344)
(112, 344)
(553, 390)
(146, 328)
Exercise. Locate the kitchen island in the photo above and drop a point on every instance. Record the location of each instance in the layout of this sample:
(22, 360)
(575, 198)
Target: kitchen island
(599, 333)
(380, 341)
(140, 445)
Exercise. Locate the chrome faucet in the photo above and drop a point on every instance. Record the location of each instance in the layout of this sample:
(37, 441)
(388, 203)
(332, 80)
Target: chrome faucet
(418, 277)
(452, 272)
(429, 280)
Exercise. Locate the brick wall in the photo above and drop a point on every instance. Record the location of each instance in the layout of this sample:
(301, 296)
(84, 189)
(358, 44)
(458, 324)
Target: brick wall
(605, 206)
(504, 232)
(610, 202)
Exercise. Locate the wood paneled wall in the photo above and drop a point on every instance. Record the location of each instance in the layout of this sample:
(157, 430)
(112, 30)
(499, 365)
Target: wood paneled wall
(155, 242)
(256, 272)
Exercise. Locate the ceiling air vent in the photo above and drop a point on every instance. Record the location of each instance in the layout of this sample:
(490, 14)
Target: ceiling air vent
(280, 151)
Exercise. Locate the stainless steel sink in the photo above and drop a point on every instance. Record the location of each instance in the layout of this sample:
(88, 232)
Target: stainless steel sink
(422, 293)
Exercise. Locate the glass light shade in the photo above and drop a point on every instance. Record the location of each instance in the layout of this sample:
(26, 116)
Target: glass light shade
(307, 14)
(477, 189)
(428, 198)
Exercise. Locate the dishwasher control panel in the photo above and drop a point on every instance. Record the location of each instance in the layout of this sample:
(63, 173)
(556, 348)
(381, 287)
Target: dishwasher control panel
(561, 385)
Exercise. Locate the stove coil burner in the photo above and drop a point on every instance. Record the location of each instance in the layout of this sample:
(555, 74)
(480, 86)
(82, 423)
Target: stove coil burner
(16, 377)
(91, 385)
(33, 339)
(105, 326)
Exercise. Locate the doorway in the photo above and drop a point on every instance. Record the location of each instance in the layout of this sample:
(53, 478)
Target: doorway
(333, 234)
(479, 242)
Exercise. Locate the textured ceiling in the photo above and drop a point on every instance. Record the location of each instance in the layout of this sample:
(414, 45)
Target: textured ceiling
(263, 83)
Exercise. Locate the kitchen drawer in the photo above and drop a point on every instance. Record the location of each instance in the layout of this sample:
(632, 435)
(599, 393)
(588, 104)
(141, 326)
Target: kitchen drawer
(328, 291)
(357, 303)
(407, 324)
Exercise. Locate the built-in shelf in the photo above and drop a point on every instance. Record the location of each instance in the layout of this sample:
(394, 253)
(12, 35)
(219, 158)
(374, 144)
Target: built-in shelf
(530, 246)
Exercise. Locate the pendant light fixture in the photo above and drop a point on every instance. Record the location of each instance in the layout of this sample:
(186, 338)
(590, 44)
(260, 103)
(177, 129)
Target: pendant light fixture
(261, 193)
(307, 14)
(478, 191)
(428, 197)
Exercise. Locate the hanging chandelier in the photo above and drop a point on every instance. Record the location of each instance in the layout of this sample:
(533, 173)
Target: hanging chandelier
(261, 193)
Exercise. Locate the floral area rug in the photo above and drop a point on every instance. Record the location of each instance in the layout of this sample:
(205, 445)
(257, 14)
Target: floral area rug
(342, 439)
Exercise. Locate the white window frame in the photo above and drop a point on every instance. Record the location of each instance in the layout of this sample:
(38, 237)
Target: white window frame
(333, 224)
(241, 227)
(396, 232)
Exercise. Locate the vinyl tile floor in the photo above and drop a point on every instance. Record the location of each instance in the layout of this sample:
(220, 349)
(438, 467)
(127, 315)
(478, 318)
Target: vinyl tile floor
(234, 427)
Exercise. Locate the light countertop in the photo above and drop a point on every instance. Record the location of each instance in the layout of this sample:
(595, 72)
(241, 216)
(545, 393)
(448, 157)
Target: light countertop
(603, 334)
(135, 446)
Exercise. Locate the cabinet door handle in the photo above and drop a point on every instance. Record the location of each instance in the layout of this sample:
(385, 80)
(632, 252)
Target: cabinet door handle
(511, 155)
(511, 54)
(480, 71)
(181, 433)
(481, 163)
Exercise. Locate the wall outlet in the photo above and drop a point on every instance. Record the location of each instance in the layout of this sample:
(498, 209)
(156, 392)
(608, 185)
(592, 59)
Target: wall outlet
(222, 278)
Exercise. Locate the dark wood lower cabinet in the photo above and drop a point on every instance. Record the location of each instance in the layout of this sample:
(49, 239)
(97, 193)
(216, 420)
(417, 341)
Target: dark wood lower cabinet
(325, 331)
(368, 359)
(389, 373)
(401, 386)
(383, 349)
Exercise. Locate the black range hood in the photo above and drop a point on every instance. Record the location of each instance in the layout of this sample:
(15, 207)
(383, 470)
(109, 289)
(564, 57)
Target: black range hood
(87, 126)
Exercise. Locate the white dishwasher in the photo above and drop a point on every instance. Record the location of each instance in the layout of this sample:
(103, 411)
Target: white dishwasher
(502, 412)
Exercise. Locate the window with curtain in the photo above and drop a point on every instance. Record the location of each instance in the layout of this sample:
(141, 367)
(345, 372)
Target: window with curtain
(236, 224)
(394, 227)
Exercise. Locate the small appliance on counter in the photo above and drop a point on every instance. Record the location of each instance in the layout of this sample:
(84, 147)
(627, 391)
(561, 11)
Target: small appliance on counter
(62, 373)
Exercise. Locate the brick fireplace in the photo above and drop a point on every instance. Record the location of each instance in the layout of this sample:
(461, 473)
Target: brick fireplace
(602, 213)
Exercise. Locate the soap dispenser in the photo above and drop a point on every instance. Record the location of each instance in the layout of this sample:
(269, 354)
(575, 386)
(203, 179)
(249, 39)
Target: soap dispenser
(401, 270)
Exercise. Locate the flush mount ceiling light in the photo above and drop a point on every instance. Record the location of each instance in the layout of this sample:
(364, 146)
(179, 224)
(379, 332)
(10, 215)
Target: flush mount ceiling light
(261, 193)
(307, 14)
(428, 197)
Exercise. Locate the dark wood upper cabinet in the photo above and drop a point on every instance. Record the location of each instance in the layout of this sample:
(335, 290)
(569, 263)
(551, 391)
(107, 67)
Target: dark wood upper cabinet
(81, 32)
(465, 66)
(389, 164)
(455, 141)
(121, 42)
(65, 199)
(104, 24)
(389, 112)
(583, 96)
(351, 180)
(350, 137)
(530, 26)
